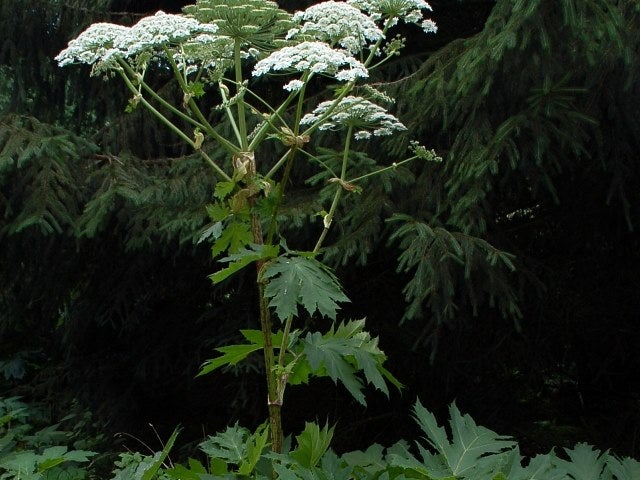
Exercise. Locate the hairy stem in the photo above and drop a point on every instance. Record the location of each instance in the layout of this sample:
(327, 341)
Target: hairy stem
(274, 404)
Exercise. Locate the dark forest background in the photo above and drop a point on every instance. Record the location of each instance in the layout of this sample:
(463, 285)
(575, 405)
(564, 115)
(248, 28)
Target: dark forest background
(517, 294)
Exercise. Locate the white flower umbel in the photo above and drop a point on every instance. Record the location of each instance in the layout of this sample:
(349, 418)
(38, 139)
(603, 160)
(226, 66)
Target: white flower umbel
(313, 57)
(103, 43)
(358, 113)
(337, 23)
(96, 45)
(409, 11)
(160, 30)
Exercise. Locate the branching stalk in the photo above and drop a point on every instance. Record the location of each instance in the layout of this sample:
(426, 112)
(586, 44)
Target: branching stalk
(336, 198)
(226, 144)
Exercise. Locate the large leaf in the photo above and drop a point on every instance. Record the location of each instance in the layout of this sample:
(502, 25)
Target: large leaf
(302, 280)
(585, 463)
(472, 452)
(344, 352)
(331, 353)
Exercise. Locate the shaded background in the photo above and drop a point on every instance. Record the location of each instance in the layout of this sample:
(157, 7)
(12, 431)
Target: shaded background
(105, 305)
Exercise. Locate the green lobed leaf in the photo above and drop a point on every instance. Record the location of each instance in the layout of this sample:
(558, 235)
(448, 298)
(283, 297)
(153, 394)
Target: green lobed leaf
(313, 442)
(228, 445)
(472, 450)
(234, 236)
(342, 353)
(623, 469)
(302, 280)
(243, 257)
(231, 355)
(330, 354)
(255, 445)
(223, 189)
(585, 462)
(237, 446)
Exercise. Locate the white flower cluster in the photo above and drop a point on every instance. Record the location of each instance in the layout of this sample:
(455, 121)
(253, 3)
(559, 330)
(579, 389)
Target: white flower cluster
(102, 43)
(356, 112)
(337, 23)
(95, 44)
(409, 11)
(313, 57)
(159, 30)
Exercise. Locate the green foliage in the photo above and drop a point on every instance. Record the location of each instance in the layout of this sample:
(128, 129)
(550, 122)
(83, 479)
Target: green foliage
(313, 443)
(232, 354)
(340, 354)
(343, 352)
(243, 257)
(42, 161)
(36, 455)
(237, 446)
(468, 452)
(472, 451)
(302, 280)
(440, 259)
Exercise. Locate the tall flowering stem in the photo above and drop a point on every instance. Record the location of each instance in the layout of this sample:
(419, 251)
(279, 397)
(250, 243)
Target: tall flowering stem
(208, 49)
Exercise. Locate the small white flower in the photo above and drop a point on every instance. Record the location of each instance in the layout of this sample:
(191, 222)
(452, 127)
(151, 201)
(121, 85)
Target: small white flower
(314, 57)
(337, 23)
(356, 112)
(294, 85)
(409, 11)
(362, 135)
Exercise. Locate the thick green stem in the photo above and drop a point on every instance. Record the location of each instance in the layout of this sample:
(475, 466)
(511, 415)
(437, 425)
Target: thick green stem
(274, 403)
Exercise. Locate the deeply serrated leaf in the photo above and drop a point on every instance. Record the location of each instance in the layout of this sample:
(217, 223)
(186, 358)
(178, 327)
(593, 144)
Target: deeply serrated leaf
(231, 355)
(243, 257)
(305, 281)
(585, 462)
(234, 236)
(228, 445)
(330, 353)
(223, 189)
(472, 449)
(218, 212)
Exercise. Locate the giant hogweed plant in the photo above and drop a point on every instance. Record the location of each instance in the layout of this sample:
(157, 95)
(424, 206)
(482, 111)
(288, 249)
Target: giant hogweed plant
(220, 52)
